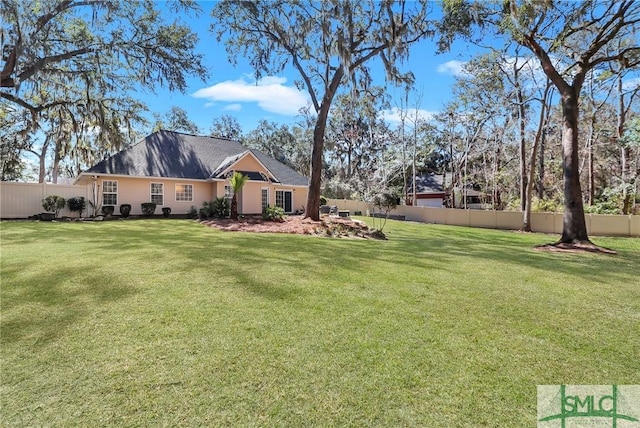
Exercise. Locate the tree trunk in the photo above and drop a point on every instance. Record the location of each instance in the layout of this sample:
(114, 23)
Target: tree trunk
(625, 152)
(541, 164)
(313, 199)
(542, 124)
(42, 158)
(234, 207)
(497, 197)
(523, 150)
(56, 166)
(453, 180)
(590, 161)
(574, 228)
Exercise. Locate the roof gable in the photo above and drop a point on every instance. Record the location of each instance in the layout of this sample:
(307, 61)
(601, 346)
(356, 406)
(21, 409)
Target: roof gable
(232, 161)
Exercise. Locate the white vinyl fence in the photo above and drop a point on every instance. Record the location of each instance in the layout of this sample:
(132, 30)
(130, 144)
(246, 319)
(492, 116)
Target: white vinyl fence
(597, 224)
(22, 200)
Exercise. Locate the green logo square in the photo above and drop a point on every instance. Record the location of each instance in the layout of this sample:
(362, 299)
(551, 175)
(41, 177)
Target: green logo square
(598, 406)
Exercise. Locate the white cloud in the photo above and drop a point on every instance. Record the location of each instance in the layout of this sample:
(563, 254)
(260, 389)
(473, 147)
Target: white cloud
(270, 93)
(453, 67)
(233, 107)
(393, 115)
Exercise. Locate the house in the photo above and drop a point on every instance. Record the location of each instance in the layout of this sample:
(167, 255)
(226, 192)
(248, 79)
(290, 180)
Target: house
(179, 171)
(430, 191)
(433, 190)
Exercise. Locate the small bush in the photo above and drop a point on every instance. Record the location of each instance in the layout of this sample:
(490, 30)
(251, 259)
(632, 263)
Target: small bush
(546, 205)
(148, 208)
(206, 210)
(107, 210)
(166, 212)
(125, 210)
(221, 208)
(193, 212)
(273, 213)
(384, 202)
(54, 204)
(323, 200)
(77, 203)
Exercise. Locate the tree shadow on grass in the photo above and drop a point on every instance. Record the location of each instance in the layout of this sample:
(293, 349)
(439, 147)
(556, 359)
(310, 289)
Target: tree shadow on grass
(45, 305)
(410, 246)
(244, 260)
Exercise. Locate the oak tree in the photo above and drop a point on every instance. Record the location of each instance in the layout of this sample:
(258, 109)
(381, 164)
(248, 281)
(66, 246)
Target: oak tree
(329, 44)
(569, 40)
(73, 63)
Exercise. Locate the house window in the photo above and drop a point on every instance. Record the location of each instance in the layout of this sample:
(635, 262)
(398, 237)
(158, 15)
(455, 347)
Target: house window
(265, 198)
(109, 192)
(284, 200)
(184, 192)
(157, 193)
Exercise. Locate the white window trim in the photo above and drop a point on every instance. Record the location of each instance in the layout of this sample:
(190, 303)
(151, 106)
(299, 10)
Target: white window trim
(111, 193)
(151, 194)
(292, 196)
(175, 193)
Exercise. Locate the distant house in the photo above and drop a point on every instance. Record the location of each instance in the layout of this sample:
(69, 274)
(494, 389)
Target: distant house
(180, 171)
(430, 191)
(433, 190)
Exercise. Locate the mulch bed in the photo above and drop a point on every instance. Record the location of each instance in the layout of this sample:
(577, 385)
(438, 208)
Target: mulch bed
(329, 226)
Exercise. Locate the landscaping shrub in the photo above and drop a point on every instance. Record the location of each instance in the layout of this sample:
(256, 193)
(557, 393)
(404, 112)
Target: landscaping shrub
(108, 210)
(125, 210)
(54, 204)
(221, 208)
(78, 204)
(323, 200)
(273, 213)
(166, 211)
(193, 212)
(206, 211)
(384, 202)
(148, 208)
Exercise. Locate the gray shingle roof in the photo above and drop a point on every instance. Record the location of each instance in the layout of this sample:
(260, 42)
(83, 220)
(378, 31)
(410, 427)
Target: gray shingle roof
(176, 155)
(429, 183)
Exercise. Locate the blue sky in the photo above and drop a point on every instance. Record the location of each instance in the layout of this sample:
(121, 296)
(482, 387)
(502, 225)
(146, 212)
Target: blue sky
(232, 90)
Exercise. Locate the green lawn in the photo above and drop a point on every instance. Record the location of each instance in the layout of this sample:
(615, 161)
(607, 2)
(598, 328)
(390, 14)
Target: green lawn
(170, 323)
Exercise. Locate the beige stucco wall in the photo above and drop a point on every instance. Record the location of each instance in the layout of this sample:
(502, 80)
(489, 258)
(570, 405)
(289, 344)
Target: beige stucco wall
(136, 191)
(248, 163)
(299, 196)
(250, 201)
(251, 198)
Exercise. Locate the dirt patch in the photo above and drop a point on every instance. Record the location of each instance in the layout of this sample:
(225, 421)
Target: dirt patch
(578, 247)
(336, 227)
